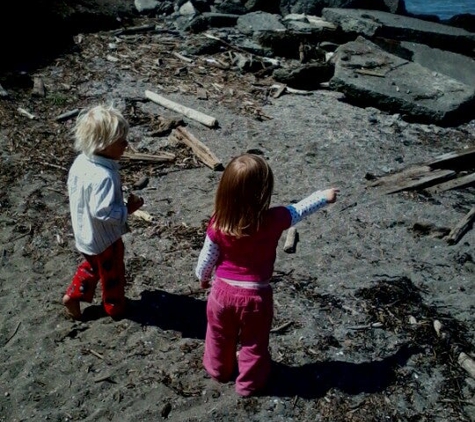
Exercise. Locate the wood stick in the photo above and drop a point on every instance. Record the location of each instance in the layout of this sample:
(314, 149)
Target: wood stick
(460, 182)
(458, 159)
(291, 240)
(461, 228)
(156, 158)
(13, 335)
(432, 178)
(26, 113)
(134, 29)
(189, 112)
(201, 150)
(143, 215)
(67, 115)
(281, 327)
(467, 363)
(97, 355)
(182, 57)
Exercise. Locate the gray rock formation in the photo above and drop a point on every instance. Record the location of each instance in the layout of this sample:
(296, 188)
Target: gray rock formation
(370, 76)
(371, 23)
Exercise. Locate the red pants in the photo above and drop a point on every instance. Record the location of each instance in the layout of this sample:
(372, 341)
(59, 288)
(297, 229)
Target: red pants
(108, 267)
(239, 315)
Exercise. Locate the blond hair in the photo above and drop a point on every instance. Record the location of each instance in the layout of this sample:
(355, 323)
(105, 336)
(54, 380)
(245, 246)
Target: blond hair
(98, 127)
(243, 195)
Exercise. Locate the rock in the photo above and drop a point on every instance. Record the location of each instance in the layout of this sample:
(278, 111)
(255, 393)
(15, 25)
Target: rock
(251, 23)
(144, 6)
(306, 77)
(368, 75)
(371, 23)
(315, 7)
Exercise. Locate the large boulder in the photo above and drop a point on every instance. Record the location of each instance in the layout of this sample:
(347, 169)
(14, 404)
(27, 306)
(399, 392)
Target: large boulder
(373, 23)
(370, 76)
(315, 7)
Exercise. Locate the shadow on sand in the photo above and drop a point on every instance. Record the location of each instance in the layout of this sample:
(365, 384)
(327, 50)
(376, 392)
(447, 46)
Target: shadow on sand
(187, 315)
(159, 308)
(313, 380)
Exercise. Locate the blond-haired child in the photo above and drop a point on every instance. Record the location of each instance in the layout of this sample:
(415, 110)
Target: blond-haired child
(98, 211)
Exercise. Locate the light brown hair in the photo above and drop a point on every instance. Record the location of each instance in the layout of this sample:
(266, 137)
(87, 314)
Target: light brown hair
(243, 195)
(98, 127)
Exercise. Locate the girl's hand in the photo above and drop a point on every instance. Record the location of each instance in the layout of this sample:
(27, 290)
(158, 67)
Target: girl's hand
(331, 195)
(134, 202)
(205, 284)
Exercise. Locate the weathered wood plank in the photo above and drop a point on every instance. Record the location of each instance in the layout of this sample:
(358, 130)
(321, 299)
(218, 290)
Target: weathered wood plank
(199, 149)
(461, 228)
(460, 160)
(459, 182)
(430, 179)
(156, 158)
(398, 177)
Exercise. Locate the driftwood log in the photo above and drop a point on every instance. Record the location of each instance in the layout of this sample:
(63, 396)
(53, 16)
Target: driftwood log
(205, 155)
(461, 228)
(155, 158)
(186, 111)
(291, 240)
(467, 363)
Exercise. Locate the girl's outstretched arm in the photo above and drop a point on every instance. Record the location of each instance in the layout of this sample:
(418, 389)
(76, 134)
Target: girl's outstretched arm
(311, 204)
(206, 261)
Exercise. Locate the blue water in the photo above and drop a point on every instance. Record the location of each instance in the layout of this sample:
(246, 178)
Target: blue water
(445, 9)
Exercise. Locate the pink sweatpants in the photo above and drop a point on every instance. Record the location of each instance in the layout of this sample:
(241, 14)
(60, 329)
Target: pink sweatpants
(238, 315)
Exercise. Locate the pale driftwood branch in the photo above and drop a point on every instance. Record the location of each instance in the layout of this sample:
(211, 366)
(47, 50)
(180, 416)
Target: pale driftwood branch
(144, 215)
(189, 112)
(182, 57)
(199, 149)
(458, 183)
(461, 228)
(467, 363)
(26, 113)
(291, 240)
(155, 158)
(292, 90)
(67, 115)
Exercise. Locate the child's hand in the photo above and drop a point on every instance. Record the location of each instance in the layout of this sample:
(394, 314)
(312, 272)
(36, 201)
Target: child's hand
(134, 202)
(205, 284)
(330, 195)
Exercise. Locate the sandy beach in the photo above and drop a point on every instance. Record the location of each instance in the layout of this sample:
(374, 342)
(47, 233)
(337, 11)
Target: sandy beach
(355, 304)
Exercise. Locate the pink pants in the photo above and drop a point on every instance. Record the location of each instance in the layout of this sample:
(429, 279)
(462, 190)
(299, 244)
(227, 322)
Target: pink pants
(108, 267)
(239, 315)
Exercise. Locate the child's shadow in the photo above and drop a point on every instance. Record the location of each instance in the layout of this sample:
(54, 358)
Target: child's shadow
(315, 379)
(170, 311)
(165, 310)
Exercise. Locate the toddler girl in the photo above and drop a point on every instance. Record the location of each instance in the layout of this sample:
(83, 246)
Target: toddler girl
(240, 244)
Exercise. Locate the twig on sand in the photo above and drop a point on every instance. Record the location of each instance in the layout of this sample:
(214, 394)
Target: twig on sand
(281, 327)
(97, 355)
(13, 334)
